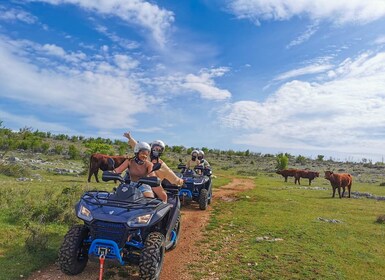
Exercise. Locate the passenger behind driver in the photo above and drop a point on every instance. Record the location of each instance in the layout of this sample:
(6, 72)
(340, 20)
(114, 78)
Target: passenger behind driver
(164, 172)
(193, 162)
(139, 167)
(202, 161)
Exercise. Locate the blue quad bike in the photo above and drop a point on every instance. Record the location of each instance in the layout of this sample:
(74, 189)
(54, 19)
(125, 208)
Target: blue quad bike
(122, 227)
(197, 187)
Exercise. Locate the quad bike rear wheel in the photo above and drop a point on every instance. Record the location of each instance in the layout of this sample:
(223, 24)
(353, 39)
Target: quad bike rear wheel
(203, 199)
(73, 255)
(152, 256)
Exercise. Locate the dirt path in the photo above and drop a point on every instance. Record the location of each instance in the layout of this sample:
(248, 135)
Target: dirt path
(177, 260)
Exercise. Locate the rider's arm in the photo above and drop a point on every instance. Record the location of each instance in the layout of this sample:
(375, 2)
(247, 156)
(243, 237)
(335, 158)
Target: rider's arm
(122, 167)
(166, 173)
(131, 141)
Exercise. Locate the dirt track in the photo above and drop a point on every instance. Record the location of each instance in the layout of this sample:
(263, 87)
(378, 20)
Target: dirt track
(177, 260)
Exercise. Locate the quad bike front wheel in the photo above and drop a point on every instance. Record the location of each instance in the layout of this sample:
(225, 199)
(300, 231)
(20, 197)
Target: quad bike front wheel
(203, 199)
(73, 255)
(152, 256)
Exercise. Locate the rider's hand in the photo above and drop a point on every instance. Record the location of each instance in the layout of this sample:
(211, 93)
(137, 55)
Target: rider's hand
(127, 135)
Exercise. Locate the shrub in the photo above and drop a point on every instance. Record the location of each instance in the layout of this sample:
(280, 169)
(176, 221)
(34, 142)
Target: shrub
(58, 149)
(44, 147)
(300, 159)
(282, 162)
(73, 152)
(95, 147)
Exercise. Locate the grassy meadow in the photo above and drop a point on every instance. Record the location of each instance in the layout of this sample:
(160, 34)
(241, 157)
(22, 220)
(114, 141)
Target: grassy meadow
(282, 231)
(36, 213)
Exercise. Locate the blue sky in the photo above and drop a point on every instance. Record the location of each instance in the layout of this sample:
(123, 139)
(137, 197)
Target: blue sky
(303, 77)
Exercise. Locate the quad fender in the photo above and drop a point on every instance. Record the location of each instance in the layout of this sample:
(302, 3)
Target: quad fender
(160, 214)
(172, 219)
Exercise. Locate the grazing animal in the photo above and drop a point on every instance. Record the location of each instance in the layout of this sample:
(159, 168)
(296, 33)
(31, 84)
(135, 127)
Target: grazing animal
(338, 181)
(305, 174)
(100, 161)
(287, 173)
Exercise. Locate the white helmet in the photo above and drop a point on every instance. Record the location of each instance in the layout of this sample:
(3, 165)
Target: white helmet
(140, 146)
(200, 152)
(194, 152)
(159, 143)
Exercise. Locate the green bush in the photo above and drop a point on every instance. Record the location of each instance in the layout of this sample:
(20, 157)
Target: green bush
(300, 159)
(282, 161)
(58, 149)
(73, 152)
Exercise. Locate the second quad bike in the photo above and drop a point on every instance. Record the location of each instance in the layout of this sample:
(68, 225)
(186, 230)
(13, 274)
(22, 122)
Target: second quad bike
(197, 187)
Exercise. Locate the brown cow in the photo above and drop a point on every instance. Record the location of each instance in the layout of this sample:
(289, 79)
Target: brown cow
(287, 173)
(99, 161)
(305, 174)
(339, 180)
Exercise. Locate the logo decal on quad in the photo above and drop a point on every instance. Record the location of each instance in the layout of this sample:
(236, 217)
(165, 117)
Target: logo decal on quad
(111, 212)
(124, 189)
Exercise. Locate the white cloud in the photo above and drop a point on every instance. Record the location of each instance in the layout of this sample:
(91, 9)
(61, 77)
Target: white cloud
(304, 37)
(53, 50)
(16, 15)
(343, 114)
(125, 62)
(89, 89)
(124, 43)
(202, 84)
(310, 69)
(139, 12)
(205, 85)
(338, 12)
(380, 40)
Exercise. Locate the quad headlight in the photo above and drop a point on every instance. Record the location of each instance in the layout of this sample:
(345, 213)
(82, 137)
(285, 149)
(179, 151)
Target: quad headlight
(140, 220)
(84, 213)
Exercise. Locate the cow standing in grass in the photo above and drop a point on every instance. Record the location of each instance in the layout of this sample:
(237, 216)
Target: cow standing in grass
(100, 161)
(305, 174)
(338, 181)
(287, 173)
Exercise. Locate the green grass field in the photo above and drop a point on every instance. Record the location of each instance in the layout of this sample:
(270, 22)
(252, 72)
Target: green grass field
(35, 215)
(310, 248)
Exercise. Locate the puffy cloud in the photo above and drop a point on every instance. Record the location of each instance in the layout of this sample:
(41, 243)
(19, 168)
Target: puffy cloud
(125, 62)
(139, 12)
(340, 114)
(16, 15)
(89, 89)
(339, 12)
(205, 85)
